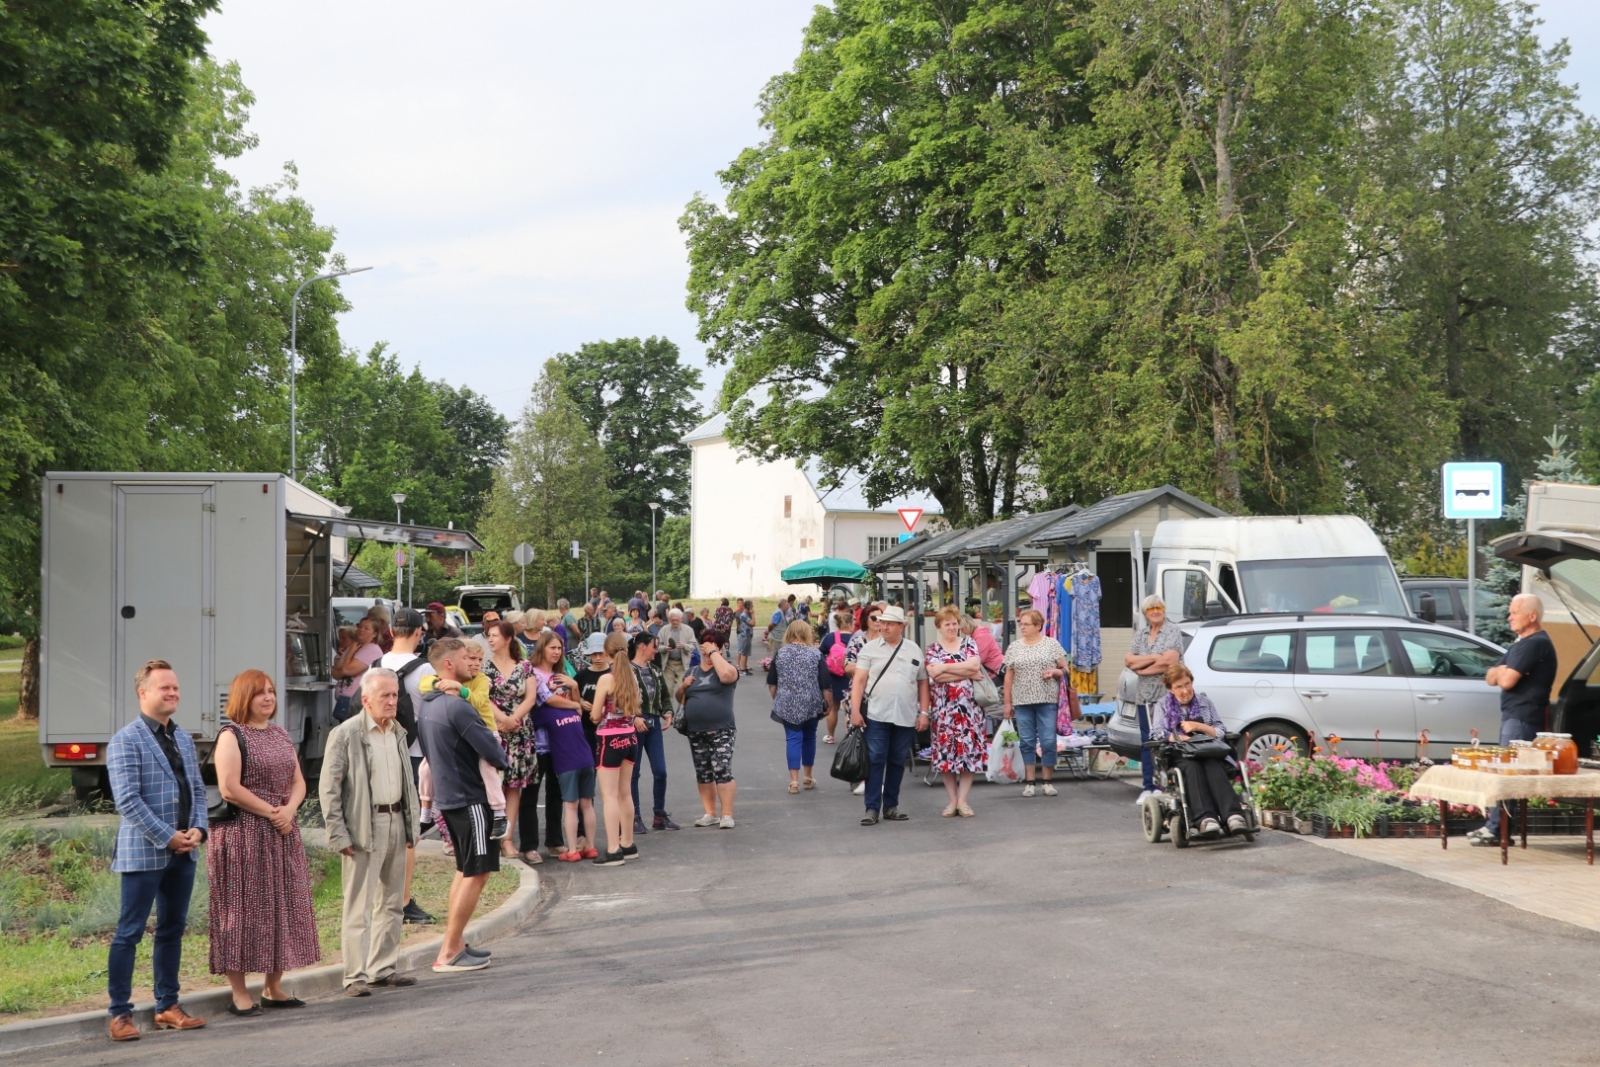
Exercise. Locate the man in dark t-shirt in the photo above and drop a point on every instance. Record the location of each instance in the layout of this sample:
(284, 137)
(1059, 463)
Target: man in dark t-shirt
(1525, 675)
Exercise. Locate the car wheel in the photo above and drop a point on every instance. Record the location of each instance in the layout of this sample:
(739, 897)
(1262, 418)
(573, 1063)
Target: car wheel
(1272, 740)
(1180, 833)
(1150, 816)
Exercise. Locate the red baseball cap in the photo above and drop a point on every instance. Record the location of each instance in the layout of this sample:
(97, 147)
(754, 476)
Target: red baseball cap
(435, 606)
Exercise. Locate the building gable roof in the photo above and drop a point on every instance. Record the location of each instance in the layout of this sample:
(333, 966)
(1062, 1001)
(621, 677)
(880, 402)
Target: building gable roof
(1085, 522)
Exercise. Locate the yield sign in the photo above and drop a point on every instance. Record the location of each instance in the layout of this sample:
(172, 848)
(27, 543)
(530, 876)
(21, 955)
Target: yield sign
(909, 516)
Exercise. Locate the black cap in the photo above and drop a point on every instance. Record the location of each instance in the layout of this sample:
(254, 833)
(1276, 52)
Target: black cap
(407, 619)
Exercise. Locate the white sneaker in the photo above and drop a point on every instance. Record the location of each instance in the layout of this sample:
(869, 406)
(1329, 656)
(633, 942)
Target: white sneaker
(1143, 796)
(861, 788)
(1236, 823)
(727, 822)
(1047, 789)
(708, 820)
(1027, 790)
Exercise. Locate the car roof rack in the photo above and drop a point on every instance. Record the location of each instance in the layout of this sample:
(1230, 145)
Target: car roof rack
(1301, 616)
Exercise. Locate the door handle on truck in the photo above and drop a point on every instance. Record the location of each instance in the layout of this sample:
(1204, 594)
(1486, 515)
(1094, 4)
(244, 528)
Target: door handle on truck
(1313, 693)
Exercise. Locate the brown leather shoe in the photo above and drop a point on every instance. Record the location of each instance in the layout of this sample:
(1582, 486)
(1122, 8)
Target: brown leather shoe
(175, 1018)
(123, 1029)
(399, 981)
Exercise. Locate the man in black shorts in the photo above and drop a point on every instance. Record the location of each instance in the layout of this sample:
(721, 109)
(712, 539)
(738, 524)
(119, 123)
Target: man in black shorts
(454, 739)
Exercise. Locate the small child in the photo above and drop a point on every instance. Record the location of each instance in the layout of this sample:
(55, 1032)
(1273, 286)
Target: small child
(476, 693)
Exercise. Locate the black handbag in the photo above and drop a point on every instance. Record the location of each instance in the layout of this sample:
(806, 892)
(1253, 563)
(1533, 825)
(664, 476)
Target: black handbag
(1210, 748)
(850, 758)
(219, 810)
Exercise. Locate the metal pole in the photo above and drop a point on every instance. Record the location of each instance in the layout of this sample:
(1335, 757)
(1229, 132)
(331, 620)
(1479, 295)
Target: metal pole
(653, 585)
(524, 583)
(1472, 571)
(294, 352)
(400, 568)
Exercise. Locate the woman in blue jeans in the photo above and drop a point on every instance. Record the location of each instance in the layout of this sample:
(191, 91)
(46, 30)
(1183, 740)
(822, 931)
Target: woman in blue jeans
(794, 680)
(655, 707)
(1035, 665)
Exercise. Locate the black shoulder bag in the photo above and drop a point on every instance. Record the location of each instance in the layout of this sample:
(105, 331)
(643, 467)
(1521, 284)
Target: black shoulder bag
(219, 810)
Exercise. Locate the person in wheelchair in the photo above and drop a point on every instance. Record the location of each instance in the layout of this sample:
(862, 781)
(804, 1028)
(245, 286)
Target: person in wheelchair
(1208, 788)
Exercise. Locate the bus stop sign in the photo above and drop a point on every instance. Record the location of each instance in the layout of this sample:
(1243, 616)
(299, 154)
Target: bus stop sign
(1472, 491)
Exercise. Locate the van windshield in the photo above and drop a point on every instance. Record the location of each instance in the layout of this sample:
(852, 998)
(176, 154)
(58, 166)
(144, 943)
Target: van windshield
(1355, 585)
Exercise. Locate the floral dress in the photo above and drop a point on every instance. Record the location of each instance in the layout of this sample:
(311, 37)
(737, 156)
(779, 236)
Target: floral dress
(506, 691)
(960, 741)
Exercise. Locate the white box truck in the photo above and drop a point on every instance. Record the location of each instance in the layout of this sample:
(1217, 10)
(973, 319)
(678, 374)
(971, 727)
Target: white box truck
(214, 573)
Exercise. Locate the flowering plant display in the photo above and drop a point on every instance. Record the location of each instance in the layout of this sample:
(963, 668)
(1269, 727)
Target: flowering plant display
(1347, 792)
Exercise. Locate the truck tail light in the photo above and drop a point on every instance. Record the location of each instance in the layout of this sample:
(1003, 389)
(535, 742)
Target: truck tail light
(77, 751)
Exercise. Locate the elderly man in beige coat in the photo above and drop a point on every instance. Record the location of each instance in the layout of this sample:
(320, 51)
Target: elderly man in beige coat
(370, 806)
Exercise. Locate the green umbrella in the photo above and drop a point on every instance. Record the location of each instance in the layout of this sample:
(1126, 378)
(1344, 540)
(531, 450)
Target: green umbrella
(824, 572)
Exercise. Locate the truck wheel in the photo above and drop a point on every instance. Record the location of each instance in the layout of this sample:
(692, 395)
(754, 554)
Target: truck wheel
(1273, 739)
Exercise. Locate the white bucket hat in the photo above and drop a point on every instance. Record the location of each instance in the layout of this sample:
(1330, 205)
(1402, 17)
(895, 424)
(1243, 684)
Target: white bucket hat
(891, 614)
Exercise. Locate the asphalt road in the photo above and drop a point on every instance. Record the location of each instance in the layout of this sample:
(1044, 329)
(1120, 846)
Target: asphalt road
(1043, 931)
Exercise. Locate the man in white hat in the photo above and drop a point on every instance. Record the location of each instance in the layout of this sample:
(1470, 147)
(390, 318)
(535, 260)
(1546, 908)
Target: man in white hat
(889, 699)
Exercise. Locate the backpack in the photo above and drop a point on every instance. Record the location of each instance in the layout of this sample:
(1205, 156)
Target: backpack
(836, 656)
(408, 715)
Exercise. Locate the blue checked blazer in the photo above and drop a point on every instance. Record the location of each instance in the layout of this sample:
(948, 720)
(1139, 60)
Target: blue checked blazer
(146, 795)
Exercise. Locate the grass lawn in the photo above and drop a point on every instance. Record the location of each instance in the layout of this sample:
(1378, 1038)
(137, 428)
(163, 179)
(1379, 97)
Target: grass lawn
(56, 973)
(25, 782)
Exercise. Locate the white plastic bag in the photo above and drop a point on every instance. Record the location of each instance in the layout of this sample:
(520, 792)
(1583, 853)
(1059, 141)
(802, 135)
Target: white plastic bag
(1005, 754)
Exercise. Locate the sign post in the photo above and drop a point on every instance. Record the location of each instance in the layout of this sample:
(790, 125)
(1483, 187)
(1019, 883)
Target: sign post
(399, 574)
(522, 555)
(576, 553)
(1472, 491)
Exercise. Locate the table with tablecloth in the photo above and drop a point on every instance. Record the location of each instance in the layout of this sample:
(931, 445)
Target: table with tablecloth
(1483, 789)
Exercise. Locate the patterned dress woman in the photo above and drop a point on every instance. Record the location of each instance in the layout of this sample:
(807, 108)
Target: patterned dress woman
(959, 739)
(261, 915)
(506, 691)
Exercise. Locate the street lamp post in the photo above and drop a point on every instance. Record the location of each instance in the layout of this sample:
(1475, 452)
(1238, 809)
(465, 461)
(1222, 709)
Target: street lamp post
(294, 352)
(399, 573)
(653, 586)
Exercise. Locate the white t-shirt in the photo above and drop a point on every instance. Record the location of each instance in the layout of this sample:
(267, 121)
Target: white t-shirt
(394, 661)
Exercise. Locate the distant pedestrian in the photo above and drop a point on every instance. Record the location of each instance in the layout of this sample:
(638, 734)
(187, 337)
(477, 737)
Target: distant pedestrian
(655, 707)
(454, 739)
(385, 634)
(835, 649)
(158, 791)
(706, 694)
(437, 625)
(676, 644)
(1036, 666)
(743, 631)
(352, 663)
(960, 740)
(371, 810)
(797, 702)
(722, 618)
(615, 712)
(889, 700)
(569, 618)
(409, 667)
(262, 921)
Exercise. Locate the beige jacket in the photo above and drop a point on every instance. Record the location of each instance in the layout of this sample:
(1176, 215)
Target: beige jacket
(346, 790)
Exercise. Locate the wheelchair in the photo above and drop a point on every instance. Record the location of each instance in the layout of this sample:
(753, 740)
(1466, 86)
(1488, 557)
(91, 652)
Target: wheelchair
(1167, 812)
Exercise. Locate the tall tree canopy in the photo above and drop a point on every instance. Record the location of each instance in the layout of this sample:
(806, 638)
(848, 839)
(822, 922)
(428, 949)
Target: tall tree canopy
(1290, 254)
(637, 398)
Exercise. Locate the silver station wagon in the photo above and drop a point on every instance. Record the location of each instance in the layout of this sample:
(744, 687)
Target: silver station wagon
(1383, 685)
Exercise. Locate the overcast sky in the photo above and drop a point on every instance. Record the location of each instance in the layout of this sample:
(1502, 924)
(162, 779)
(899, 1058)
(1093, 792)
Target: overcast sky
(515, 170)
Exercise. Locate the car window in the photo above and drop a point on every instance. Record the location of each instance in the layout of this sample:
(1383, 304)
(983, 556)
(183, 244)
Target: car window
(1347, 652)
(1269, 652)
(1441, 600)
(1439, 655)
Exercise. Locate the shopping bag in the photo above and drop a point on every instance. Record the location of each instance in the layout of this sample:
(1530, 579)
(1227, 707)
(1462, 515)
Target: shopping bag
(850, 758)
(1005, 754)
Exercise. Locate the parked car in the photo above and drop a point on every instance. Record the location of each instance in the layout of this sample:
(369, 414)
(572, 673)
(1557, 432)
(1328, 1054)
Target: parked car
(474, 600)
(1449, 601)
(1379, 683)
(349, 610)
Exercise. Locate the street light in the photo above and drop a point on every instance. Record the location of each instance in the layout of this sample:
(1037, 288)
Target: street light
(653, 586)
(294, 351)
(400, 570)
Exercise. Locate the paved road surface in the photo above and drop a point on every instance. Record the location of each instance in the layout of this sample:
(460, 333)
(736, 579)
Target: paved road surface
(1043, 931)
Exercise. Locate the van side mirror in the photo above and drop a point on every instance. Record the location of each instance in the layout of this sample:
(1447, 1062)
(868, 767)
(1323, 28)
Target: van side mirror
(1427, 608)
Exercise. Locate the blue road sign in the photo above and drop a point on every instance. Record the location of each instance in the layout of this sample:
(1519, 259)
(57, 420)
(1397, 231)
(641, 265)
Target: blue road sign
(1472, 491)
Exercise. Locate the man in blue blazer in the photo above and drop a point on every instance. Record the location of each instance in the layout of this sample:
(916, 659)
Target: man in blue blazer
(156, 783)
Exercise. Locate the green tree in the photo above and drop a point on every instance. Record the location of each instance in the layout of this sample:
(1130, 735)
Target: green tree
(841, 278)
(550, 491)
(637, 398)
(672, 556)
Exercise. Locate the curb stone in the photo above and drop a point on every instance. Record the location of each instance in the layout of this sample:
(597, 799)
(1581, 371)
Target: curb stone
(311, 982)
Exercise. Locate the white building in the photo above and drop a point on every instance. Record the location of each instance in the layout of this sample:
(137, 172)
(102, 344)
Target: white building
(748, 519)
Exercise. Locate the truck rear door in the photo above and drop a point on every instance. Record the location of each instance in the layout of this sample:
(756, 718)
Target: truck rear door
(164, 608)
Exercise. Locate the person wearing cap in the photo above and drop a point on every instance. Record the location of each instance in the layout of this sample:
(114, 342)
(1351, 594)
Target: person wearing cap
(409, 667)
(889, 699)
(437, 625)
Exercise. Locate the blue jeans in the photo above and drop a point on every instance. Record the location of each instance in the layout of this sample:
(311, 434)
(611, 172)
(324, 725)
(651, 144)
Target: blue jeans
(168, 889)
(888, 747)
(801, 744)
(1510, 730)
(1036, 723)
(650, 745)
(1146, 770)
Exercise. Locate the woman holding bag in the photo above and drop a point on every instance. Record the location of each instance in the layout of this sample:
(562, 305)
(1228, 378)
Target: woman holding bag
(1035, 665)
(960, 742)
(1155, 648)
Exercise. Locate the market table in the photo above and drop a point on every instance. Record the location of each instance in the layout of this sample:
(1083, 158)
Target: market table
(1483, 790)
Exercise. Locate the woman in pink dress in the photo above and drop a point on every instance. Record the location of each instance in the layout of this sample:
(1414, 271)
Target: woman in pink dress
(261, 915)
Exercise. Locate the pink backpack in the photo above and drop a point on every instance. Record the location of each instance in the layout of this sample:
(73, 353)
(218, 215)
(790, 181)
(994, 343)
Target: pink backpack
(836, 657)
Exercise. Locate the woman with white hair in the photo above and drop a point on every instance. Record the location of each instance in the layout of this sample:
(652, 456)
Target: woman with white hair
(1156, 646)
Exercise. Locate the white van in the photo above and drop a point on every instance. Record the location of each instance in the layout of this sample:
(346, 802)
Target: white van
(1305, 564)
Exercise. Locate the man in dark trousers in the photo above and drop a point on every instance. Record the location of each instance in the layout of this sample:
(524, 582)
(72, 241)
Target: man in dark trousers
(156, 784)
(1524, 676)
(454, 739)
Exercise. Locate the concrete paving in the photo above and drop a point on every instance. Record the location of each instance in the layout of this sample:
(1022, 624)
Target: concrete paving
(1044, 931)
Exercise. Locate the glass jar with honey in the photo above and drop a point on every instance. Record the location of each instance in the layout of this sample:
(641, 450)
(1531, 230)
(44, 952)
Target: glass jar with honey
(1563, 751)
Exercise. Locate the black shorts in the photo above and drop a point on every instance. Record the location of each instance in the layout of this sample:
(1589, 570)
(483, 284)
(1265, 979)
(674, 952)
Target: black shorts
(469, 831)
(613, 750)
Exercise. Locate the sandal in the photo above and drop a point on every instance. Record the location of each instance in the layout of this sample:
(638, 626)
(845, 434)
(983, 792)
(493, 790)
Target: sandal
(949, 812)
(808, 783)
(532, 858)
(794, 787)
(965, 812)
